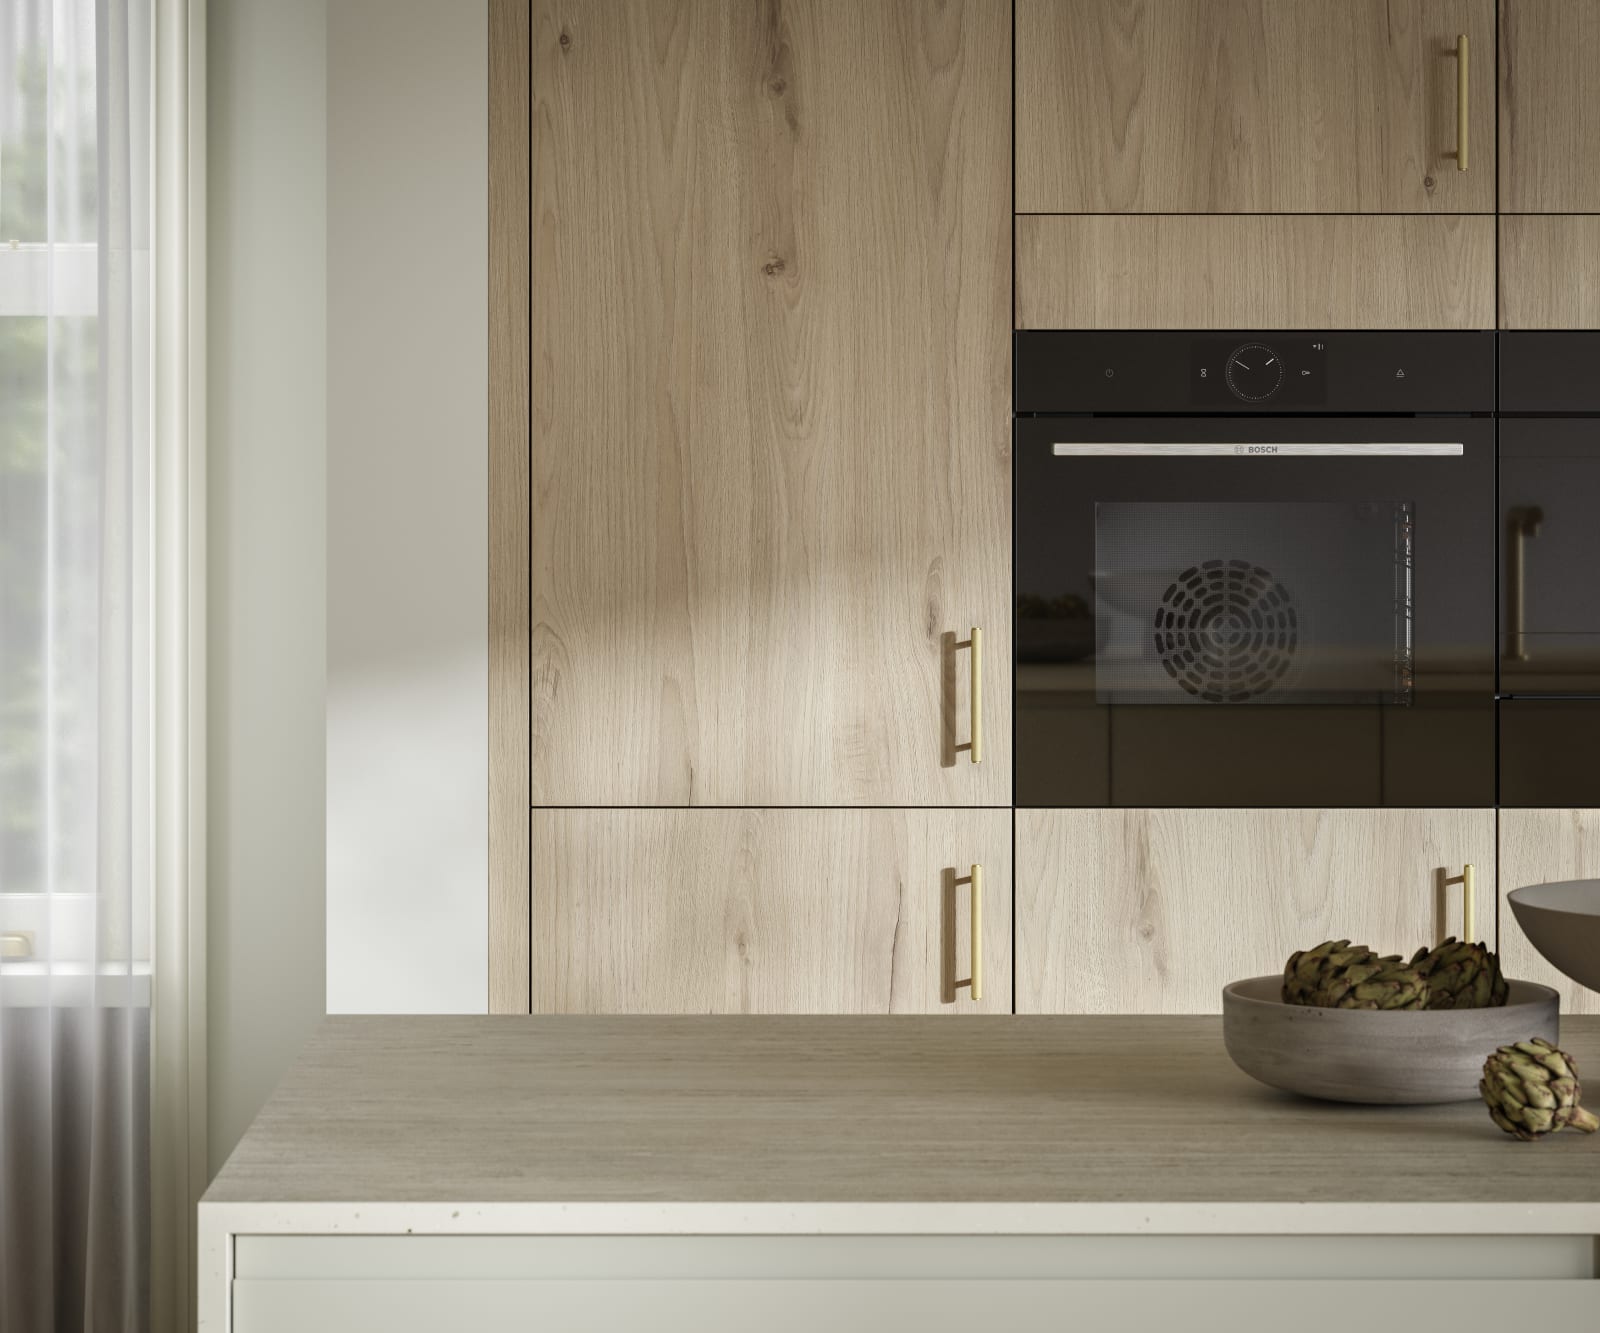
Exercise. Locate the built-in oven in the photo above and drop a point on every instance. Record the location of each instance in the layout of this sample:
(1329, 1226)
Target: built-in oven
(1549, 659)
(1255, 568)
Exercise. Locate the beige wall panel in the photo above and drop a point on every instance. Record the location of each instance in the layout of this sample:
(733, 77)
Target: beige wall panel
(1252, 106)
(1549, 113)
(1154, 911)
(1550, 272)
(1255, 272)
(771, 401)
(767, 911)
(1537, 846)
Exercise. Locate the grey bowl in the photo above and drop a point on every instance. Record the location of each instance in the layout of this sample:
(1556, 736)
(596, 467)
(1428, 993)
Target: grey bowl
(1363, 1055)
(1562, 921)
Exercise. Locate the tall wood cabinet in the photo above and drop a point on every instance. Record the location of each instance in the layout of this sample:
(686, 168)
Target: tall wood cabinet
(763, 453)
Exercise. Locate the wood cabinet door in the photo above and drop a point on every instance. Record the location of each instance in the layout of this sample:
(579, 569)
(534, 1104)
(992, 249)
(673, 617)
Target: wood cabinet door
(1536, 847)
(1155, 911)
(768, 911)
(1549, 114)
(1252, 106)
(770, 401)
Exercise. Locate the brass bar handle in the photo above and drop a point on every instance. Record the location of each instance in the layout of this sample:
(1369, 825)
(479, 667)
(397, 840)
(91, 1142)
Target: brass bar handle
(975, 978)
(1521, 523)
(1463, 103)
(975, 748)
(16, 944)
(977, 932)
(1468, 880)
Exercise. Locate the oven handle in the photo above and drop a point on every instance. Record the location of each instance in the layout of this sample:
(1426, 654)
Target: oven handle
(1258, 450)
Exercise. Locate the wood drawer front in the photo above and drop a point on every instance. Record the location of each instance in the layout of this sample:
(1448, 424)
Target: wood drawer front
(1536, 847)
(934, 1305)
(1255, 272)
(1154, 911)
(767, 911)
(1549, 115)
(1550, 272)
(1252, 106)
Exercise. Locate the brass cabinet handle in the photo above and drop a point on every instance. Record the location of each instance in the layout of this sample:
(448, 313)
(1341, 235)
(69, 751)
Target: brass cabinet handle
(975, 980)
(16, 944)
(1521, 523)
(975, 746)
(1463, 102)
(1468, 880)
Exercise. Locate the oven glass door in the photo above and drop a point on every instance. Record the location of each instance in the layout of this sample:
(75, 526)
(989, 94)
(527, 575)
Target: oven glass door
(1266, 611)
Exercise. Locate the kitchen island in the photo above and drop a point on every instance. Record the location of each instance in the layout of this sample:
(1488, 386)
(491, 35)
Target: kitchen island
(942, 1172)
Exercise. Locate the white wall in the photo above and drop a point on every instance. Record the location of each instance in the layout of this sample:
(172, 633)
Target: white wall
(407, 504)
(376, 109)
(267, 433)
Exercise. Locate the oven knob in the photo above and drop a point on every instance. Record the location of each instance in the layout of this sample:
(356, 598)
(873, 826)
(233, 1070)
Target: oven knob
(1254, 373)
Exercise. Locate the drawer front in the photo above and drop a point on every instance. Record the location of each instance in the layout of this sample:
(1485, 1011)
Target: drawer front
(931, 1305)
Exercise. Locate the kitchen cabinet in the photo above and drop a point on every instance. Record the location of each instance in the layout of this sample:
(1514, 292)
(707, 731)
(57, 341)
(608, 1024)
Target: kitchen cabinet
(1254, 106)
(1537, 846)
(1284, 272)
(769, 911)
(1154, 911)
(1549, 119)
(770, 384)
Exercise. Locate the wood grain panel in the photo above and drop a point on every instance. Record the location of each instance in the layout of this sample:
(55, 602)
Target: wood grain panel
(767, 911)
(1536, 847)
(1549, 115)
(1549, 272)
(771, 401)
(1251, 106)
(1154, 911)
(509, 768)
(1255, 272)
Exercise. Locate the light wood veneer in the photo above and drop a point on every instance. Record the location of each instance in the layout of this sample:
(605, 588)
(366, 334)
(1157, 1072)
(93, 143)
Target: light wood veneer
(1255, 272)
(1251, 106)
(1154, 911)
(771, 401)
(1537, 846)
(767, 911)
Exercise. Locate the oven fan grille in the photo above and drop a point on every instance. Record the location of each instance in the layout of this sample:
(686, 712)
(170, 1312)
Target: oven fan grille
(1227, 631)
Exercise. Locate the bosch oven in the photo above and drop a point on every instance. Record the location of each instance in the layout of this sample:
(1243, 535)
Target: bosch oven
(1255, 568)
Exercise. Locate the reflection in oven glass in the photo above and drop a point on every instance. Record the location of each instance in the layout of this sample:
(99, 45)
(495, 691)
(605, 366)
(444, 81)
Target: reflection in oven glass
(1253, 603)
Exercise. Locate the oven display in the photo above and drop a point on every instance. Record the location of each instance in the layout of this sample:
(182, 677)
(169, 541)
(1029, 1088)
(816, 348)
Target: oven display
(1290, 372)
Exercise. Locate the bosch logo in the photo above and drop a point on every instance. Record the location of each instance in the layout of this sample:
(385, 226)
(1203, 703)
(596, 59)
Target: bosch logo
(1258, 448)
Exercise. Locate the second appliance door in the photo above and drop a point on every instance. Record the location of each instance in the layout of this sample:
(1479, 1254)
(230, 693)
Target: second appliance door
(1255, 612)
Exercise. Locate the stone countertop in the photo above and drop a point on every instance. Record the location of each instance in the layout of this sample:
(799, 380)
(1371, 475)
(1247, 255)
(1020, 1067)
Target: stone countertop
(833, 1123)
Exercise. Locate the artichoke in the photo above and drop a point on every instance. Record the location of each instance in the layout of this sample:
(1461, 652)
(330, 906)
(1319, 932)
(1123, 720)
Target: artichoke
(1461, 976)
(1532, 1090)
(1339, 975)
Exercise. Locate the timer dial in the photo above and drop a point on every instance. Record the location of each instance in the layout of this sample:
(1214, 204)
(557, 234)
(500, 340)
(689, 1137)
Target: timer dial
(1254, 372)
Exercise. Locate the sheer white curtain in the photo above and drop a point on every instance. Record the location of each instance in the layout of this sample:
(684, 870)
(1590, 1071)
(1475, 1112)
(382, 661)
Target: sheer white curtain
(75, 690)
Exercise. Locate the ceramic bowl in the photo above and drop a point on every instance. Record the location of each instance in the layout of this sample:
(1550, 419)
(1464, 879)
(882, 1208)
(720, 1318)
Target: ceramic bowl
(1364, 1055)
(1562, 921)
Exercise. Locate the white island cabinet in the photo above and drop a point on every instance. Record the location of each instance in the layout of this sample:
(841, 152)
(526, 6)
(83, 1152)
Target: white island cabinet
(792, 1173)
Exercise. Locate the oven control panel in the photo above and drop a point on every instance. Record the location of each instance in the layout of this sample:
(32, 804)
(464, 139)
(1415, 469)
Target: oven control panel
(1289, 373)
(1246, 371)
